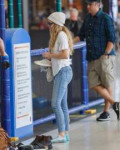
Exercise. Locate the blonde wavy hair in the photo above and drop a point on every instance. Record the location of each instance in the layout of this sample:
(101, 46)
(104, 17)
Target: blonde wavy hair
(54, 31)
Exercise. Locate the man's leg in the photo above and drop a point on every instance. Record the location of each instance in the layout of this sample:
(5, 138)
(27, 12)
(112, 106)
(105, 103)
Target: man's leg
(104, 93)
(98, 77)
(104, 116)
(107, 104)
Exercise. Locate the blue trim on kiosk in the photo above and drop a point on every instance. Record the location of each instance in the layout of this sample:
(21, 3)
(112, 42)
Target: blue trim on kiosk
(18, 49)
(5, 93)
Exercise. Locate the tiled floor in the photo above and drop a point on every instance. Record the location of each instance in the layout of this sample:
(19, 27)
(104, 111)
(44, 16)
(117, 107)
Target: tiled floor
(87, 134)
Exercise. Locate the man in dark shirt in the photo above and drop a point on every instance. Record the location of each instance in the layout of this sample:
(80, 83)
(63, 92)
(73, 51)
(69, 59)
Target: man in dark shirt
(98, 30)
(73, 23)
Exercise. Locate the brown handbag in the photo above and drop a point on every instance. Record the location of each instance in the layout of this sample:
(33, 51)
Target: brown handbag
(4, 139)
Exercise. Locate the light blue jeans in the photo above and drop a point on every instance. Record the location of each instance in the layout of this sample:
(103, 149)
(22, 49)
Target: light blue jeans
(59, 98)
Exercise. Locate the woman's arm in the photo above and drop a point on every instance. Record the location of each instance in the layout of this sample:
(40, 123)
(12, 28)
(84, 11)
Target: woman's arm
(2, 48)
(64, 54)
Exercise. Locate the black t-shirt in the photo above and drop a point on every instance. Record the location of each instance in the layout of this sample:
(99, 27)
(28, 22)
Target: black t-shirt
(73, 26)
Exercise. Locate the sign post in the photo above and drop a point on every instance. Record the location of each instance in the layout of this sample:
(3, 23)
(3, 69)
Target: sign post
(18, 48)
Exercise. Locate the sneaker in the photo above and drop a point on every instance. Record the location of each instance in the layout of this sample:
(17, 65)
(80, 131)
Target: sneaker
(67, 137)
(105, 116)
(59, 139)
(116, 108)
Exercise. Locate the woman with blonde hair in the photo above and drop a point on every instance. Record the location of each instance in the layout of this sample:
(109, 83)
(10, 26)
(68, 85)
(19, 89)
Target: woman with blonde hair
(61, 47)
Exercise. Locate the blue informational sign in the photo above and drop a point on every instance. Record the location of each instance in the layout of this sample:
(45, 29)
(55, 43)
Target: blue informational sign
(18, 48)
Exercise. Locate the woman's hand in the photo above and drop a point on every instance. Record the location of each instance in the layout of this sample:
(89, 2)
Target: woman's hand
(106, 56)
(47, 55)
(64, 54)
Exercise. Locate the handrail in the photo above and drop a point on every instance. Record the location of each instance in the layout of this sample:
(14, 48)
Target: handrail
(85, 102)
(42, 50)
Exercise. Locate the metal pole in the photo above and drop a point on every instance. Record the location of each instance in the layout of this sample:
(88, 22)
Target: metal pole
(58, 5)
(25, 15)
(84, 86)
(10, 14)
(5, 94)
(2, 19)
(5, 80)
(34, 12)
(20, 13)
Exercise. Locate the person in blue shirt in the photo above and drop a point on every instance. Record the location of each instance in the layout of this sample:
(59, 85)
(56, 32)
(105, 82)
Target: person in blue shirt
(2, 48)
(98, 30)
